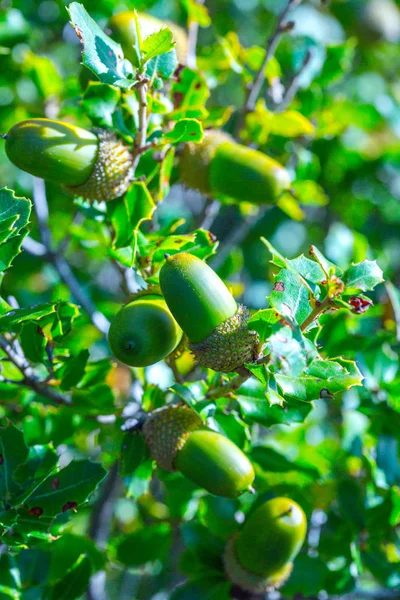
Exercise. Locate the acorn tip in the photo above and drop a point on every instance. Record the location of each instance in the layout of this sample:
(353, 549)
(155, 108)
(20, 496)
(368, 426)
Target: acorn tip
(166, 256)
(251, 489)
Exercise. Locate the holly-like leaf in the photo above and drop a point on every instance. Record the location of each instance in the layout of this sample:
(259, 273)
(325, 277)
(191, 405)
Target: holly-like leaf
(60, 314)
(270, 459)
(66, 490)
(75, 581)
(163, 66)
(185, 130)
(145, 545)
(157, 43)
(100, 53)
(13, 453)
(254, 403)
(191, 93)
(14, 217)
(322, 379)
(339, 59)
(133, 450)
(363, 276)
(100, 101)
(129, 212)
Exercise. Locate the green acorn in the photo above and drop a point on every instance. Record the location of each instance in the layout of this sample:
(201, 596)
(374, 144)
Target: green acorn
(208, 314)
(260, 557)
(219, 167)
(122, 28)
(93, 164)
(144, 332)
(179, 441)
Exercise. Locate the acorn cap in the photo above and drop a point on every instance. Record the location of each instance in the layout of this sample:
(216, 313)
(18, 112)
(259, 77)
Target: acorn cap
(271, 536)
(166, 430)
(144, 332)
(230, 345)
(196, 296)
(122, 28)
(178, 440)
(252, 582)
(220, 167)
(112, 173)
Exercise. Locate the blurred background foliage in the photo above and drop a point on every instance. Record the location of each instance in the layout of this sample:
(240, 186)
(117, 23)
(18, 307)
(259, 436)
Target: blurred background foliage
(342, 460)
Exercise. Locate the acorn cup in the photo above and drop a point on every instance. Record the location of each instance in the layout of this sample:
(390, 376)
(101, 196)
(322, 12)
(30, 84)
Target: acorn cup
(179, 441)
(208, 314)
(260, 557)
(93, 164)
(144, 332)
(220, 167)
(122, 29)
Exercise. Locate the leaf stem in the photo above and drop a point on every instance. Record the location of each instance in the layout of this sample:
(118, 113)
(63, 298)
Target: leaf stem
(316, 311)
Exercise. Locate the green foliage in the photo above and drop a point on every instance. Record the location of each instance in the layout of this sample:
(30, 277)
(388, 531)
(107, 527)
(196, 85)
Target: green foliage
(318, 413)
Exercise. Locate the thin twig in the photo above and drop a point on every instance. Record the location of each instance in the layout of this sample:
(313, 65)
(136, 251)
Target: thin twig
(33, 247)
(293, 85)
(316, 311)
(255, 88)
(235, 383)
(140, 140)
(100, 528)
(61, 265)
(29, 378)
(208, 214)
(237, 236)
(193, 31)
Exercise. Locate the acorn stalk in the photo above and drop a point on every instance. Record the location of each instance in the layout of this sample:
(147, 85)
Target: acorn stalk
(93, 164)
(214, 323)
(220, 167)
(260, 557)
(144, 331)
(179, 441)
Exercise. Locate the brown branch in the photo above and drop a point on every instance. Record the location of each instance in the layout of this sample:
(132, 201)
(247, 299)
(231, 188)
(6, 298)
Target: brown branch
(255, 88)
(59, 263)
(29, 378)
(293, 86)
(234, 384)
(141, 136)
(237, 237)
(193, 31)
(208, 214)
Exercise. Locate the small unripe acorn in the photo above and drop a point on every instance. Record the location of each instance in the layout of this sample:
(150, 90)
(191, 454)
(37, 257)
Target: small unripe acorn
(208, 314)
(144, 332)
(220, 167)
(93, 164)
(122, 28)
(179, 441)
(260, 557)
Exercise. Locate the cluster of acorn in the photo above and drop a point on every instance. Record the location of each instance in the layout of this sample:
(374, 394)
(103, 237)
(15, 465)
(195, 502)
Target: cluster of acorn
(192, 301)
